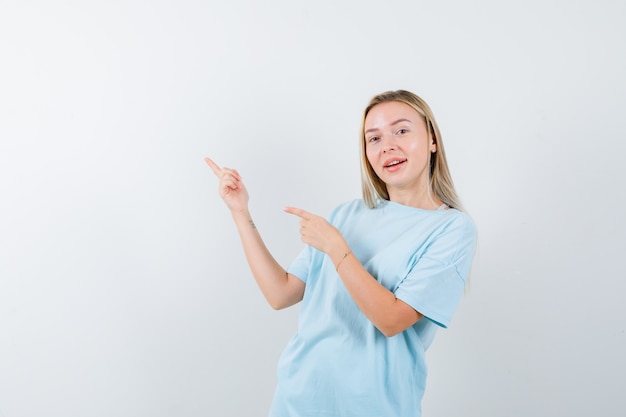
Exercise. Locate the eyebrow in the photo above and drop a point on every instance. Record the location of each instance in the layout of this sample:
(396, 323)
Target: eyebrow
(392, 124)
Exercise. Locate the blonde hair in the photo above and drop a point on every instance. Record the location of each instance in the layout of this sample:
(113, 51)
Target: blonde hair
(374, 189)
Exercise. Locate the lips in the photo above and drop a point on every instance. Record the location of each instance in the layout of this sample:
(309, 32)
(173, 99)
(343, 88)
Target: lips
(394, 162)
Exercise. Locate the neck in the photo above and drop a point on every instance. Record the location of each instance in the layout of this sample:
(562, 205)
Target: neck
(424, 199)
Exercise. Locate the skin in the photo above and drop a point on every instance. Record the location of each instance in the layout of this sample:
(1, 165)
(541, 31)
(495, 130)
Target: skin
(393, 132)
(279, 288)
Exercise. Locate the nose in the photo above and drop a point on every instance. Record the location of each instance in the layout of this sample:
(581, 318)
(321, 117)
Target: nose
(388, 145)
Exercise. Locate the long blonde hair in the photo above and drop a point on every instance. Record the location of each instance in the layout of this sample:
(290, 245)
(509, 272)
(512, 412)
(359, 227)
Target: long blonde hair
(374, 189)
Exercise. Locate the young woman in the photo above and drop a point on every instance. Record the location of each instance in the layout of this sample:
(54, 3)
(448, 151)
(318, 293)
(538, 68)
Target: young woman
(376, 279)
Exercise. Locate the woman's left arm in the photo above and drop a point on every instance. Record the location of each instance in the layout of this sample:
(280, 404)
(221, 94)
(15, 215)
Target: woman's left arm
(389, 314)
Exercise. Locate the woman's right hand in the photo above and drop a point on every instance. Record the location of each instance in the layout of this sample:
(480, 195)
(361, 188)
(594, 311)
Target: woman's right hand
(231, 188)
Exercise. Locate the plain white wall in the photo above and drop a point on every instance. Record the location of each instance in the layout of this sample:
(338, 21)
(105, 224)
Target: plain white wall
(123, 289)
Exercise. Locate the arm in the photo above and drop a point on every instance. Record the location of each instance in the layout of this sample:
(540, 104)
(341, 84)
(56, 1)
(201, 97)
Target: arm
(390, 315)
(279, 288)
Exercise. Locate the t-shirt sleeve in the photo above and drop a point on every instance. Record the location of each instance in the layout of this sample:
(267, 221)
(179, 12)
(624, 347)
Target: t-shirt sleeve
(301, 265)
(435, 284)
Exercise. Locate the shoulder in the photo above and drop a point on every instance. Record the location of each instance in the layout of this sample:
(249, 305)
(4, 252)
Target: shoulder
(461, 221)
(457, 235)
(457, 228)
(348, 208)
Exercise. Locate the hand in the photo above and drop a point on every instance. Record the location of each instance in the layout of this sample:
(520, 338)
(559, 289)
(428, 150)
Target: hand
(231, 188)
(317, 232)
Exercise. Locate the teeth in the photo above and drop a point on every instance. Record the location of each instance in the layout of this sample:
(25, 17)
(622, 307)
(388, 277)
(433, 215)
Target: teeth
(393, 163)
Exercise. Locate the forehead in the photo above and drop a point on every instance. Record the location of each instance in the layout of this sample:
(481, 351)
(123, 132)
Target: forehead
(384, 114)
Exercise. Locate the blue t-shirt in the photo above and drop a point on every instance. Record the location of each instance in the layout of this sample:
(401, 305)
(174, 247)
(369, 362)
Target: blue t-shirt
(338, 364)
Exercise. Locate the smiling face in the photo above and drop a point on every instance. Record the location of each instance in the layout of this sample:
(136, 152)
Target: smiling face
(398, 148)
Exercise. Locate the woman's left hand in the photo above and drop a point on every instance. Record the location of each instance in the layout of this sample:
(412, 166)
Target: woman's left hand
(316, 231)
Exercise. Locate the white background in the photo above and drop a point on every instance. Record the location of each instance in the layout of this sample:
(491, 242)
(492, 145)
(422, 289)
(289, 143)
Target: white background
(123, 288)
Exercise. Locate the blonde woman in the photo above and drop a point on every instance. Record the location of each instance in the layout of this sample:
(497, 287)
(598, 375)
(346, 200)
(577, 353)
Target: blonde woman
(376, 279)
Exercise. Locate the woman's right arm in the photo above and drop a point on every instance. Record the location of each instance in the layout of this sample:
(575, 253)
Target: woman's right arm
(280, 288)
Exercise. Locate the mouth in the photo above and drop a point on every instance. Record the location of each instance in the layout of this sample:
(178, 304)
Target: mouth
(394, 163)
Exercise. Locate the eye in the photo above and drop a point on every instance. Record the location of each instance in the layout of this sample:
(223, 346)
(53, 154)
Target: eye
(402, 131)
(373, 139)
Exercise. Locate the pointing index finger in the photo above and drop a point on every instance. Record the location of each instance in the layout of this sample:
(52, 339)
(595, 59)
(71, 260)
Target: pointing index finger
(214, 167)
(298, 212)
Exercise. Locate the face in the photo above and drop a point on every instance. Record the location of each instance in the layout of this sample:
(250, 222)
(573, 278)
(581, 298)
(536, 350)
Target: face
(398, 149)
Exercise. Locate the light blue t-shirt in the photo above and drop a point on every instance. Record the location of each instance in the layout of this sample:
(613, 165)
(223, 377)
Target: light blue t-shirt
(338, 364)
